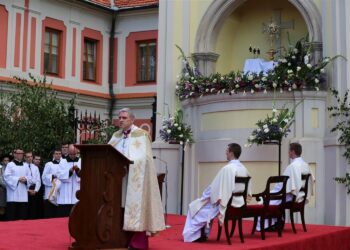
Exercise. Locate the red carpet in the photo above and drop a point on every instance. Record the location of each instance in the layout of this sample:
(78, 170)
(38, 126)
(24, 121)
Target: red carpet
(53, 234)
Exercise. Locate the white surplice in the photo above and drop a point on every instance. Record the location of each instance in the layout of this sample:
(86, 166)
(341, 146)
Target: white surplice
(143, 205)
(294, 170)
(35, 175)
(17, 191)
(69, 184)
(50, 169)
(214, 200)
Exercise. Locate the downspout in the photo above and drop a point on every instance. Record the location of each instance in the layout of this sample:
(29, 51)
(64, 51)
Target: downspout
(111, 67)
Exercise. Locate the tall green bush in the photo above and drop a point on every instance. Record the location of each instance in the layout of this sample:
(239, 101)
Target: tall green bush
(33, 118)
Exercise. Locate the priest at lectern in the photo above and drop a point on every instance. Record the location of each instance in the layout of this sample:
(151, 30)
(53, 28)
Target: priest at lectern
(143, 207)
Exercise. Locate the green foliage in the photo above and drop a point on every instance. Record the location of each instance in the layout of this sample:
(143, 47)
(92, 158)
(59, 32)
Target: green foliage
(103, 132)
(341, 111)
(33, 118)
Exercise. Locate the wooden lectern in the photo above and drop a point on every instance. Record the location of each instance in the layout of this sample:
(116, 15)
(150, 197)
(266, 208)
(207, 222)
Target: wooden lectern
(96, 220)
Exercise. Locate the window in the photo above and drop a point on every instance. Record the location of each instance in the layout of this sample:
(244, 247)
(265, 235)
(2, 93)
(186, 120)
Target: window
(89, 68)
(52, 51)
(146, 61)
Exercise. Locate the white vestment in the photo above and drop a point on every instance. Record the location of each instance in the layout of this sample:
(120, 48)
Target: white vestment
(143, 205)
(214, 200)
(294, 183)
(69, 184)
(35, 176)
(17, 191)
(50, 169)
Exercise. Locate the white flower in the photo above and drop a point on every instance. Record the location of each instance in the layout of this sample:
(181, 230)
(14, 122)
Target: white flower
(258, 130)
(181, 142)
(281, 90)
(284, 60)
(274, 110)
(293, 57)
(289, 71)
(195, 81)
(274, 85)
(244, 94)
(175, 124)
(223, 91)
(295, 50)
(232, 92)
(191, 93)
(298, 68)
(178, 76)
(257, 86)
(309, 65)
(264, 79)
(326, 60)
(168, 131)
(322, 70)
(252, 91)
(186, 74)
(289, 89)
(265, 126)
(237, 86)
(294, 86)
(316, 80)
(265, 91)
(252, 137)
(212, 90)
(222, 78)
(286, 120)
(181, 135)
(215, 80)
(206, 90)
(274, 120)
(266, 130)
(306, 59)
(177, 87)
(317, 88)
(192, 78)
(179, 128)
(289, 64)
(250, 77)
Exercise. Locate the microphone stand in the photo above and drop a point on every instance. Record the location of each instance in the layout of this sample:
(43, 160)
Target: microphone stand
(166, 190)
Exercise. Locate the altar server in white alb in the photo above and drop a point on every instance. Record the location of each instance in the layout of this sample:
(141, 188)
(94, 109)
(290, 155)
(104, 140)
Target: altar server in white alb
(34, 186)
(294, 170)
(18, 179)
(215, 198)
(143, 207)
(68, 174)
(48, 178)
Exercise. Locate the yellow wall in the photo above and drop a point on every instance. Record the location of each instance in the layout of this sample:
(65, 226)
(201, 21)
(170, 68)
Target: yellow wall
(244, 27)
(232, 119)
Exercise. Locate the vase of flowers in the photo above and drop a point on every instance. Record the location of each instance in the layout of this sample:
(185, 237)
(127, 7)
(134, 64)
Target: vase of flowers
(174, 130)
(273, 128)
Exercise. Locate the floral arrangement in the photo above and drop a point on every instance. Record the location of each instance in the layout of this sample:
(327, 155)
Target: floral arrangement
(174, 130)
(273, 128)
(294, 71)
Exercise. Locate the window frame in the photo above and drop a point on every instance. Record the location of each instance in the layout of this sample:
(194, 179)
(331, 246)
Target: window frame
(95, 42)
(59, 33)
(147, 42)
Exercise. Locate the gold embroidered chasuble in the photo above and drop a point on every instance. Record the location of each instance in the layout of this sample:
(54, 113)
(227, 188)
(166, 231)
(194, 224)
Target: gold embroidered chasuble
(143, 205)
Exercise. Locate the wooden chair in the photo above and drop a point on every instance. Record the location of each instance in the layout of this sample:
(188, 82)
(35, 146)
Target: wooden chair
(160, 179)
(235, 213)
(267, 210)
(295, 207)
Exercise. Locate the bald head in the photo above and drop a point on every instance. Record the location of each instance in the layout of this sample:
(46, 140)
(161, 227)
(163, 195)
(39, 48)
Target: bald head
(72, 151)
